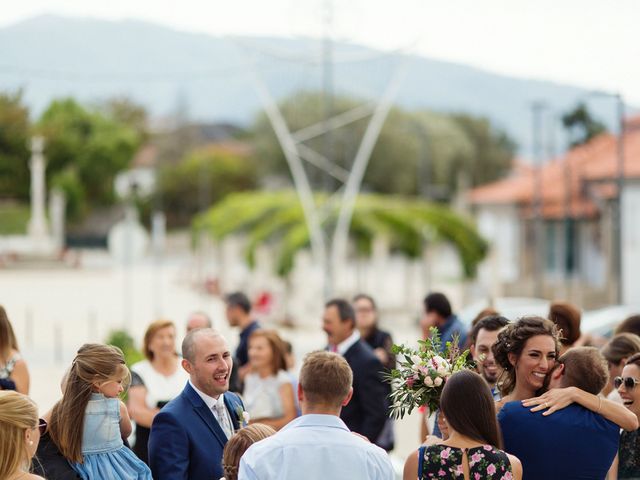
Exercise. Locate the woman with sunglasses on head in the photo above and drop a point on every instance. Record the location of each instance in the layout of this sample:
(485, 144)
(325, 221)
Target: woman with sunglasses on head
(627, 464)
(19, 436)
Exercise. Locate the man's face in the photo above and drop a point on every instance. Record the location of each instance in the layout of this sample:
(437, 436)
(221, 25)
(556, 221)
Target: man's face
(483, 355)
(232, 315)
(428, 320)
(197, 320)
(212, 365)
(365, 313)
(336, 330)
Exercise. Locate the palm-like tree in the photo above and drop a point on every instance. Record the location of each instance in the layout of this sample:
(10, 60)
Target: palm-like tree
(277, 218)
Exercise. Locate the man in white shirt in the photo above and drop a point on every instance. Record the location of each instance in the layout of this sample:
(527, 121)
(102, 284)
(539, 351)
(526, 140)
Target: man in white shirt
(318, 445)
(367, 411)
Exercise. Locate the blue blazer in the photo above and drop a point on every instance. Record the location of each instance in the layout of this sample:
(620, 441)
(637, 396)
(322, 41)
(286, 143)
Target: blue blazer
(186, 441)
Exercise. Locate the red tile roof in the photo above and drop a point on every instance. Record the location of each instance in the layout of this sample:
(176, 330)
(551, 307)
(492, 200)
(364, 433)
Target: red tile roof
(572, 184)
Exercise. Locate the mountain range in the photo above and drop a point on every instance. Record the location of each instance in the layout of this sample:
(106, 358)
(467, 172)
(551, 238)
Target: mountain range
(213, 78)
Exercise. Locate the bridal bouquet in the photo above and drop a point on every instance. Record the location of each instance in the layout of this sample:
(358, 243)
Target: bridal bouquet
(422, 373)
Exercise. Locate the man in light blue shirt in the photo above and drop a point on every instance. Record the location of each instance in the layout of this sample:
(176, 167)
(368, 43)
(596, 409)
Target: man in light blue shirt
(318, 445)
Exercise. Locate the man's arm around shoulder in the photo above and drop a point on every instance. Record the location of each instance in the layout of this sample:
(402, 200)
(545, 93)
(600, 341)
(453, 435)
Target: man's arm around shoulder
(168, 448)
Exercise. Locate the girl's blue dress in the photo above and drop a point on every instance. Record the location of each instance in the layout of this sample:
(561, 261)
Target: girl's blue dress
(104, 454)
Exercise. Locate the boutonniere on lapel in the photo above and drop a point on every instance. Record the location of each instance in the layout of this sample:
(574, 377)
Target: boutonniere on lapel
(243, 417)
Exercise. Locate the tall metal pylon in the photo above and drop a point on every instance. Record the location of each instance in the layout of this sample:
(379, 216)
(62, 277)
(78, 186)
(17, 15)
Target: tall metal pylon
(329, 249)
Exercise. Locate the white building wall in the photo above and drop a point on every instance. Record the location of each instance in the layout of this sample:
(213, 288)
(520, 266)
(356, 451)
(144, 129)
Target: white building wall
(500, 226)
(631, 244)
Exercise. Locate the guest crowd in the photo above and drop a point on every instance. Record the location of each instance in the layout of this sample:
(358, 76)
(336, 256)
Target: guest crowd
(545, 401)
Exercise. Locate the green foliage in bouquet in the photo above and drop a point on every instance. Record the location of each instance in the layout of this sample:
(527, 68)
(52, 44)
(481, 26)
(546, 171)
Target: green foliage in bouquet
(422, 373)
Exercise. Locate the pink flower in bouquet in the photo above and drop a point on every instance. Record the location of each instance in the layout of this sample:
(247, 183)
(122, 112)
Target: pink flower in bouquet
(428, 381)
(437, 382)
(410, 381)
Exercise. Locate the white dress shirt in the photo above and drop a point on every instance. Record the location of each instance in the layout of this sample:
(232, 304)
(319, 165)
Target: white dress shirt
(348, 342)
(315, 447)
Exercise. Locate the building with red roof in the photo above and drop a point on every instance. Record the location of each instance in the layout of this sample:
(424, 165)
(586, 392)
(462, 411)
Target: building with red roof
(554, 228)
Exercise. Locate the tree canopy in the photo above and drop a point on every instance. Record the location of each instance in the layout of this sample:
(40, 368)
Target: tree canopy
(276, 218)
(14, 147)
(416, 152)
(581, 125)
(85, 149)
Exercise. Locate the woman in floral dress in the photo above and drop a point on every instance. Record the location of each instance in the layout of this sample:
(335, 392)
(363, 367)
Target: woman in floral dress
(472, 450)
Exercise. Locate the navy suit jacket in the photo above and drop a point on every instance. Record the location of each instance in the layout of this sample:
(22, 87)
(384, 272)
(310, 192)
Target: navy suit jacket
(572, 443)
(186, 441)
(367, 411)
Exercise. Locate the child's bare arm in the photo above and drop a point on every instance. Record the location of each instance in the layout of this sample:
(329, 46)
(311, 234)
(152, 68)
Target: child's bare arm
(125, 422)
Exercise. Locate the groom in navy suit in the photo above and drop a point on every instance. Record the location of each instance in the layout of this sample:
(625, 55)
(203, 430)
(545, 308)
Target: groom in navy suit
(189, 434)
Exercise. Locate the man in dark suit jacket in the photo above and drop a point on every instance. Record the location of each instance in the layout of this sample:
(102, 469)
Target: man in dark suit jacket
(566, 443)
(190, 432)
(367, 411)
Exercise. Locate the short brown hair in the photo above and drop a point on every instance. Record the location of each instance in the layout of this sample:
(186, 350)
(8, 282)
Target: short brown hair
(152, 329)
(621, 346)
(239, 443)
(325, 378)
(585, 368)
(630, 325)
(567, 318)
(278, 348)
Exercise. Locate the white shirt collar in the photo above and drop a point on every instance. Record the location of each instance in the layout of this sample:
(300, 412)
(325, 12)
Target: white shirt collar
(209, 401)
(348, 342)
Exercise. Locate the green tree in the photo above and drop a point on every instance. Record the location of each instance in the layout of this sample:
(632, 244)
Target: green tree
(276, 218)
(581, 125)
(85, 150)
(204, 176)
(14, 147)
(124, 111)
(413, 149)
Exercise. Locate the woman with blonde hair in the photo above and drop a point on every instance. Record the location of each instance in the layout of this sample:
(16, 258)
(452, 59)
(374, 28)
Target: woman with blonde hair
(19, 435)
(268, 393)
(13, 369)
(154, 381)
(240, 443)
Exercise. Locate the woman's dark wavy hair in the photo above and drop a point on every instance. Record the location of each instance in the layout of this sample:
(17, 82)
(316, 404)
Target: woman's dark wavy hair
(512, 339)
(469, 409)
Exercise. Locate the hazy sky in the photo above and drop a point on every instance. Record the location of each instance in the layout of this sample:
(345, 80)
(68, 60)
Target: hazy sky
(590, 43)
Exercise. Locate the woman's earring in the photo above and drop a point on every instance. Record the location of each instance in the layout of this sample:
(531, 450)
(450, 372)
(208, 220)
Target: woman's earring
(30, 442)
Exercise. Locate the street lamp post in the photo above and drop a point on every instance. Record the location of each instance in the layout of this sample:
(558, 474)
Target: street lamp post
(619, 181)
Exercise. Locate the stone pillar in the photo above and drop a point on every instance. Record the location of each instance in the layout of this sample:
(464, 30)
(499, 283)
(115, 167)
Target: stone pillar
(37, 229)
(57, 203)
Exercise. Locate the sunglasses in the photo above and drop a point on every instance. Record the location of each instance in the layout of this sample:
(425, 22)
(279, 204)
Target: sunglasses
(42, 426)
(629, 382)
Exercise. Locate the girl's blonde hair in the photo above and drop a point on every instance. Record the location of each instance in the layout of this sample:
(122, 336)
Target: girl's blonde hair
(18, 413)
(94, 364)
(239, 443)
(7, 337)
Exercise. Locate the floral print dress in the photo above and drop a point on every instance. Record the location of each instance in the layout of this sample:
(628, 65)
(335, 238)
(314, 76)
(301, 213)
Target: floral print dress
(444, 462)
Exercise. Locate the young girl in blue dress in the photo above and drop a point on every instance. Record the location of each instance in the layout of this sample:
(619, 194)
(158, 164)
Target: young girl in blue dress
(89, 423)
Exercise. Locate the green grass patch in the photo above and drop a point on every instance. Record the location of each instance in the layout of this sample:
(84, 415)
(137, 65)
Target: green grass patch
(14, 218)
